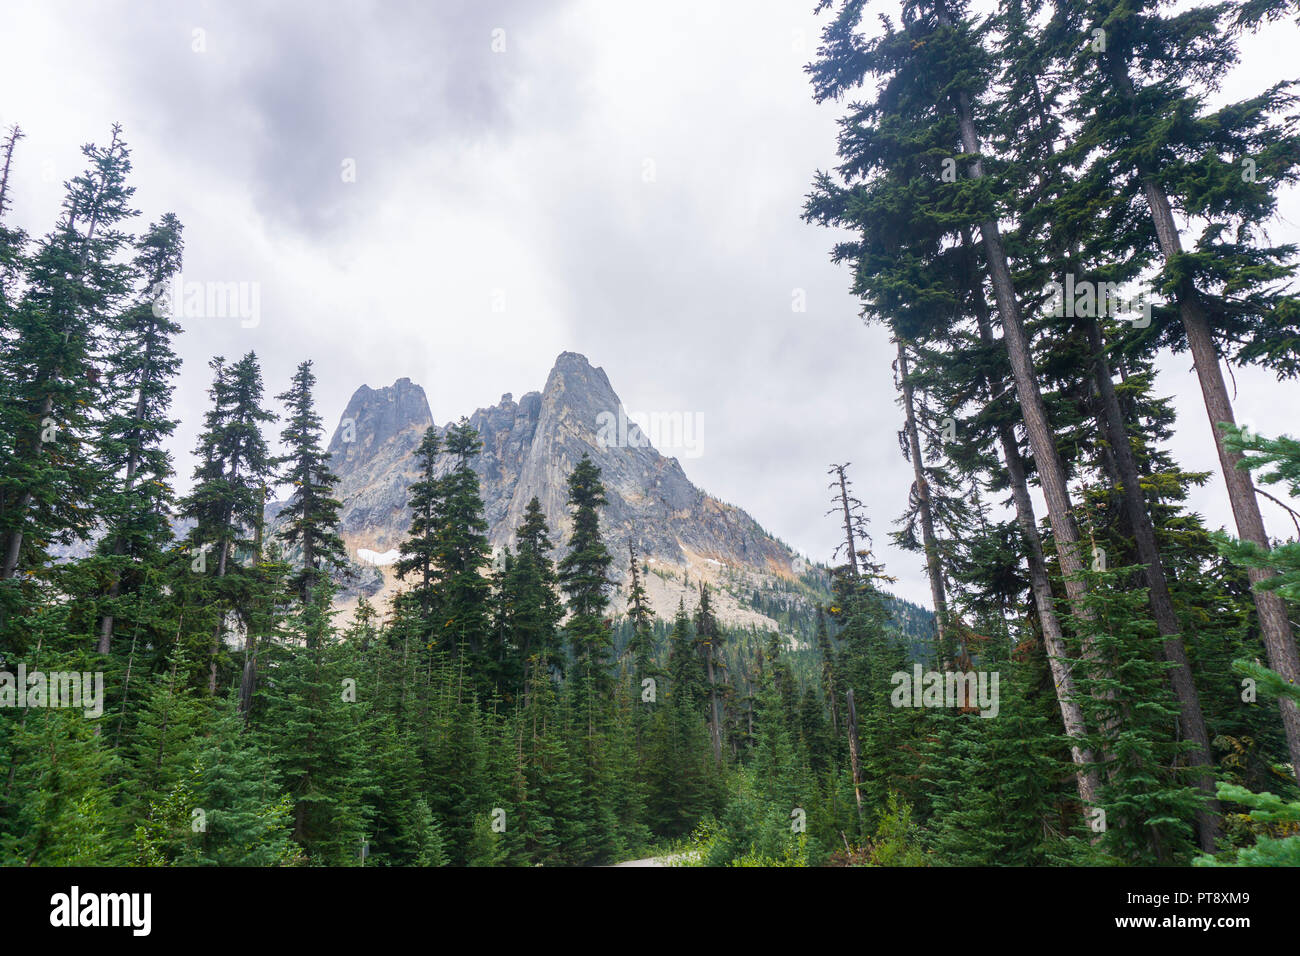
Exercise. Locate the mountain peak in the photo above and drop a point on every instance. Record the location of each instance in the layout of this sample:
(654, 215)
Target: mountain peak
(377, 416)
(529, 449)
(575, 384)
(571, 360)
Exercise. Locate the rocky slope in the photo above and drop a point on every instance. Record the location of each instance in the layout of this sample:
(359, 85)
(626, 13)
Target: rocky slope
(529, 448)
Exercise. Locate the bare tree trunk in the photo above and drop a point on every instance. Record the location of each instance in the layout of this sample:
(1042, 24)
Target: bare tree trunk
(1278, 638)
(928, 539)
(1051, 474)
(851, 720)
(848, 518)
(1279, 641)
(1067, 695)
(1162, 605)
(15, 134)
(715, 724)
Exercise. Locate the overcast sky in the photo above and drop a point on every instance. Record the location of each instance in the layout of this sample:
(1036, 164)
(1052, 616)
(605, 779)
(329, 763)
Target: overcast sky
(622, 180)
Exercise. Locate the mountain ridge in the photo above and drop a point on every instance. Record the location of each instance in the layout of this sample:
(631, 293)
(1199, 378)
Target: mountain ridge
(682, 534)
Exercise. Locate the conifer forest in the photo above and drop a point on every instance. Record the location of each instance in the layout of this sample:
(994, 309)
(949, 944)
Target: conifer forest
(1053, 619)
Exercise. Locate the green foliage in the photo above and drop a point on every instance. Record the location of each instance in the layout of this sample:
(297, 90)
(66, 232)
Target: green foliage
(896, 839)
(311, 513)
(1281, 456)
(583, 572)
(1273, 822)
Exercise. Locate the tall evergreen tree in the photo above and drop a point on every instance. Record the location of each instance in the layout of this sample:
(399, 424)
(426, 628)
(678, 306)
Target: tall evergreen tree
(312, 513)
(72, 285)
(536, 610)
(230, 488)
(641, 644)
(583, 575)
(709, 638)
(135, 499)
(463, 556)
(1230, 291)
(419, 549)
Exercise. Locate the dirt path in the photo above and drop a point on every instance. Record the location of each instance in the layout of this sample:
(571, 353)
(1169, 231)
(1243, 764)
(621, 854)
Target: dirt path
(655, 860)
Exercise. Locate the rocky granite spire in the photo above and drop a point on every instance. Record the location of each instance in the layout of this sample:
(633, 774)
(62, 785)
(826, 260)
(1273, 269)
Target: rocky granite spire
(372, 452)
(529, 448)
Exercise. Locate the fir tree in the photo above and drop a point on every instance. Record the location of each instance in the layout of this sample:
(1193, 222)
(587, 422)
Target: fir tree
(312, 723)
(583, 574)
(419, 550)
(135, 500)
(641, 644)
(536, 611)
(311, 514)
(461, 557)
(229, 493)
(72, 285)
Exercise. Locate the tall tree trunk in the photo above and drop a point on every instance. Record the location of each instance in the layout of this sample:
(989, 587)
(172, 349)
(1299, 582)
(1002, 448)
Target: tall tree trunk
(1067, 695)
(119, 546)
(851, 721)
(848, 518)
(1051, 473)
(1191, 718)
(923, 503)
(1278, 638)
(715, 724)
(15, 134)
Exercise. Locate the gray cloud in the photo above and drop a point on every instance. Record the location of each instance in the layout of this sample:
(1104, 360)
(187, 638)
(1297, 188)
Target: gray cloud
(280, 94)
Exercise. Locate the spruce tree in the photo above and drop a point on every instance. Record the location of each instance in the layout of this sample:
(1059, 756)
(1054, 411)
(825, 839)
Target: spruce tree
(72, 285)
(583, 575)
(640, 616)
(536, 609)
(311, 514)
(311, 721)
(419, 550)
(224, 809)
(135, 499)
(709, 639)
(462, 556)
(229, 494)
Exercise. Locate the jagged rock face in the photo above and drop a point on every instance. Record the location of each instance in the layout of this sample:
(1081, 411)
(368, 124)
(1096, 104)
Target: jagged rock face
(373, 453)
(529, 449)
